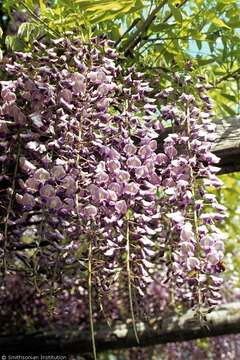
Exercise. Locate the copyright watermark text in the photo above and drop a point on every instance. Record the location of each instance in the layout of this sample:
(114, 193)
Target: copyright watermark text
(33, 357)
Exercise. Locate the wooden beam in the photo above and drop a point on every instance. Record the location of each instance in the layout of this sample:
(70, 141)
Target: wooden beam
(227, 145)
(223, 320)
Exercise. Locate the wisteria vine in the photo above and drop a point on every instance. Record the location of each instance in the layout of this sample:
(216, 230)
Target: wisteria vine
(95, 210)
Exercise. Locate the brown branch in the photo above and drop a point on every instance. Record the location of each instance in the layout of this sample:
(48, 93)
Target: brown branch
(137, 36)
(234, 74)
(127, 31)
(224, 320)
(140, 33)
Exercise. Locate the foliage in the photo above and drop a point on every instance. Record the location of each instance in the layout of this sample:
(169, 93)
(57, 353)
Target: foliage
(168, 34)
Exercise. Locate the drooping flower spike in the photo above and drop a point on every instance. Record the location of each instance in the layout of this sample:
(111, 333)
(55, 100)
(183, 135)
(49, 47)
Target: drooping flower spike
(82, 168)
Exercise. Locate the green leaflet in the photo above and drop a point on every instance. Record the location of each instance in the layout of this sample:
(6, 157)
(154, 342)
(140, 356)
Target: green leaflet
(217, 21)
(175, 11)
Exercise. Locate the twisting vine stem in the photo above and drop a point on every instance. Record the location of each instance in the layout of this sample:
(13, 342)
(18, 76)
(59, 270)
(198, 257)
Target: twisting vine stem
(137, 36)
(90, 299)
(129, 278)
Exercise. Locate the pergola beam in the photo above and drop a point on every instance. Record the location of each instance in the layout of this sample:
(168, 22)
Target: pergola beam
(227, 145)
(223, 320)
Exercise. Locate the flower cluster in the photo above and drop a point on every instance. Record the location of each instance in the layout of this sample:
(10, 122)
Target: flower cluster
(194, 245)
(85, 178)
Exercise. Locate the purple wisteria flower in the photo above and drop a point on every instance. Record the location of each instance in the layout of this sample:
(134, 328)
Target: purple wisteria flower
(85, 173)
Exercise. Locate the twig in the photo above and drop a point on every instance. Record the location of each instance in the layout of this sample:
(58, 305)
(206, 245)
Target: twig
(127, 31)
(90, 300)
(129, 280)
(142, 30)
(147, 24)
(228, 76)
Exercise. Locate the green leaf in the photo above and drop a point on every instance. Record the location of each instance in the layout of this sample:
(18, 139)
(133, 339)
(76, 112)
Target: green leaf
(111, 15)
(229, 110)
(198, 36)
(229, 97)
(13, 43)
(219, 22)
(9, 41)
(26, 29)
(42, 6)
(105, 5)
(175, 11)
(1, 32)
(199, 44)
(162, 27)
(96, 11)
(202, 62)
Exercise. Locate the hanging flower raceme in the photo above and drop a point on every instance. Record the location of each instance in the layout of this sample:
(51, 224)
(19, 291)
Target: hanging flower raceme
(195, 246)
(84, 175)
